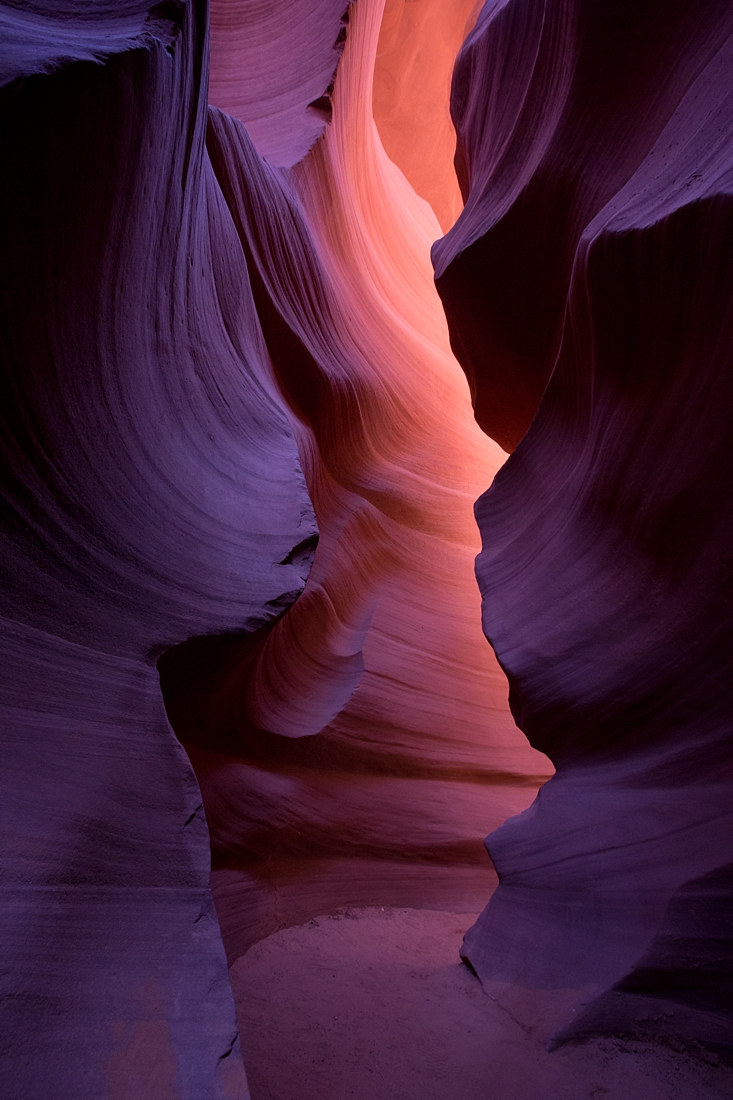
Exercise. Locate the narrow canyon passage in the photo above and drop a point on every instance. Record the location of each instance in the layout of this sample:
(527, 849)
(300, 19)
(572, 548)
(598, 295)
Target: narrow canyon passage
(312, 315)
(413, 756)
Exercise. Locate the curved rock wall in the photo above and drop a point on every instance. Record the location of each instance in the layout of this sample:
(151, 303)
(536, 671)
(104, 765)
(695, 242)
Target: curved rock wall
(208, 318)
(273, 64)
(150, 487)
(594, 250)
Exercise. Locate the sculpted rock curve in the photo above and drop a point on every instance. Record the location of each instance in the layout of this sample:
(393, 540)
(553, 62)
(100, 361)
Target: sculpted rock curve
(151, 490)
(597, 153)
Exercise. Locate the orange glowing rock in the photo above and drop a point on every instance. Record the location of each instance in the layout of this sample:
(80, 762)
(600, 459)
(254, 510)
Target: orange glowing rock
(418, 43)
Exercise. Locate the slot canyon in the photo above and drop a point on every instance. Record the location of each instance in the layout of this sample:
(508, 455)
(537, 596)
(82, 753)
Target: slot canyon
(366, 525)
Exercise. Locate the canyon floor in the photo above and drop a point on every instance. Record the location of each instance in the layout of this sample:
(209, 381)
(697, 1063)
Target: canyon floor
(374, 1004)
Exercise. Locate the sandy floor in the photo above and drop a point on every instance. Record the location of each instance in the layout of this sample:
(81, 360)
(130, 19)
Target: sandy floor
(374, 1004)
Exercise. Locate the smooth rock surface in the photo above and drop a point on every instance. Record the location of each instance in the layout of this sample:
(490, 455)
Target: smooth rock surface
(418, 43)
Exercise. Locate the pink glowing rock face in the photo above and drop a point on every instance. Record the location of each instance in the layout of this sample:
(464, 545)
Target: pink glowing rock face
(604, 220)
(393, 461)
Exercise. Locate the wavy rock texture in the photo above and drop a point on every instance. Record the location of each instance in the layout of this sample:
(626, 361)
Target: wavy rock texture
(596, 150)
(178, 326)
(273, 64)
(386, 802)
(151, 490)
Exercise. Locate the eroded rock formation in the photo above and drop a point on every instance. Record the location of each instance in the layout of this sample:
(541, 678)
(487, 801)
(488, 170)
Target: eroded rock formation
(151, 485)
(388, 800)
(237, 447)
(595, 152)
(178, 324)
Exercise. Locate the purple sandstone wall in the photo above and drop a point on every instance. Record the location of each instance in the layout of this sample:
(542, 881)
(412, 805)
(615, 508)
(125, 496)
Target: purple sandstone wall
(150, 487)
(596, 155)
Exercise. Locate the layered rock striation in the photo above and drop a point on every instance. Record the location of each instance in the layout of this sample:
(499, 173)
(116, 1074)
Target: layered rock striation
(151, 491)
(273, 66)
(197, 341)
(386, 802)
(239, 464)
(587, 286)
